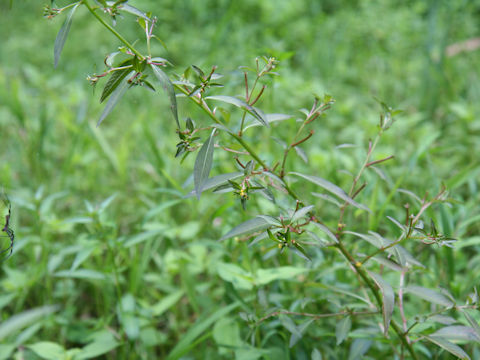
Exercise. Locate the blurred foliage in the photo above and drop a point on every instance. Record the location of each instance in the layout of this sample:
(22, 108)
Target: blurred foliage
(110, 258)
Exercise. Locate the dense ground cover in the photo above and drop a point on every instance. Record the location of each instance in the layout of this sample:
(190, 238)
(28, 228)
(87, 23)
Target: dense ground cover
(110, 258)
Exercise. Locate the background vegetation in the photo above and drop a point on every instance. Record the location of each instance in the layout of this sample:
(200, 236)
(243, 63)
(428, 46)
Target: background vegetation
(111, 261)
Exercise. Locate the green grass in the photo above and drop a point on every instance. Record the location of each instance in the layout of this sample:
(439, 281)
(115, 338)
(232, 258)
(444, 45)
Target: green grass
(112, 262)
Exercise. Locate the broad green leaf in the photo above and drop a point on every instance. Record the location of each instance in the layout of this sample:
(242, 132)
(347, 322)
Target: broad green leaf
(388, 299)
(457, 332)
(115, 97)
(327, 231)
(100, 346)
(168, 87)
(226, 333)
(358, 348)
(316, 354)
(81, 274)
(48, 350)
(334, 189)
(342, 329)
(234, 274)
(449, 346)
(19, 321)
(241, 104)
(62, 35)
(6, 351)
(265, 276)
(301, 213)
(473, 323)
(247, 227)
(114, 81)
(429, 295)
(203, 164)
(187, 341)
(166, 303)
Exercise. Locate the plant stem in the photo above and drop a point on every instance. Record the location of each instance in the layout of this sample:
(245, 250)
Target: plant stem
(114, 32)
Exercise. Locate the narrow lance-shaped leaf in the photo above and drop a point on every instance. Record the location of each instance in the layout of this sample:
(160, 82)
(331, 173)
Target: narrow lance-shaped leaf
(429, 295)
(473, 323)
(241, 104)
(388, 299)
(449, 346)
(334, 189)
(457, 332)
(130, 9)
(302, 212)
(115, 98)
(342, 329)
(327, 231)
(247, 227)
(62, 35)
(114, 80)
(217, 181)
(168, 87)
(203, 164)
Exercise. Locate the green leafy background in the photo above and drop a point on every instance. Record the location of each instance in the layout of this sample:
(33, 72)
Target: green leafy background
(95, 207)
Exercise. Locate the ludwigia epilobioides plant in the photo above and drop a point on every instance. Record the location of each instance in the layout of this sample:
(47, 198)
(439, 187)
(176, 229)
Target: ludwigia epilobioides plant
(385, 271)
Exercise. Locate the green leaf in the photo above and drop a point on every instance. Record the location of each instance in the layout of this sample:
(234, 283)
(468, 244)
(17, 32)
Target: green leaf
(269, 119)
(81, 274)
(327, 231)
(130, 9)
(388, 299)
(137, 239)
(115, 97)
(301, 213)
(334, 189)
(62, 35)
(457, 332)
(187, 340)
(429, 295)
(166, 303)
(168, 87)
(449, 346)
(114, 80)
(234, 274)
(241, 104)
(48, 350)
(203, 164)
(226, 333)
(81, 256)
(265, 276)
(19, 321)
(217, 181)
(342, 329)
(247, 227)
(100, 346)
(358, 348)
(473, 323)
(316, 354)
(6, 351)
